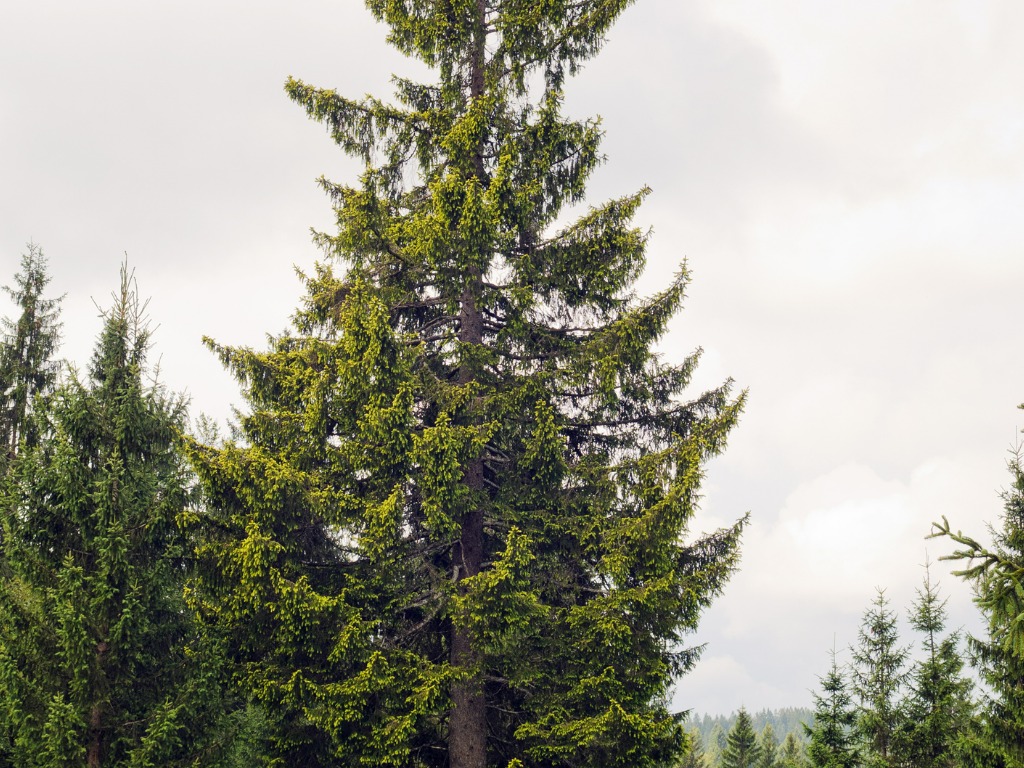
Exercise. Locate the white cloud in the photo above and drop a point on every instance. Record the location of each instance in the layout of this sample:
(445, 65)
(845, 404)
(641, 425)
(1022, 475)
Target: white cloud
(702, 690)
(807, 575)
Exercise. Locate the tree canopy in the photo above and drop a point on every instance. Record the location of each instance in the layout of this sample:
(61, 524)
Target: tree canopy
(454, 530)
(98, 659)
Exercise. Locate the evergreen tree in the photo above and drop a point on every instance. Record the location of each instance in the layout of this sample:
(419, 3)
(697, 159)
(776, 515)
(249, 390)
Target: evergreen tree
(742, 749)
(714, 746)
(833, 739)
(793, 753)
(997, 736)
(937, 711)
(878, 674)
(27, 347)
(94, 667)
(768, 747)
(693, 755)
(455, 530)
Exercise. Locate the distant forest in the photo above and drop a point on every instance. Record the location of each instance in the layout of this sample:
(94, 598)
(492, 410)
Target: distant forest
(783, 721)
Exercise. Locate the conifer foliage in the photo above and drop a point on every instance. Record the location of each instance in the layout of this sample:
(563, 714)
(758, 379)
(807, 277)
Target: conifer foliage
(93, 662)
(878, 674)
(792, 753)
(997, 736)
(833, 739)
(742, 747)
(936, 713)
(27, 348)
(454, 531)
(693, 755)
(768, 748)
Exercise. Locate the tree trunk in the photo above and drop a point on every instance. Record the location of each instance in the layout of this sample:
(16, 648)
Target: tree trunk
(467, 726)
(94, 752)
(92, 758)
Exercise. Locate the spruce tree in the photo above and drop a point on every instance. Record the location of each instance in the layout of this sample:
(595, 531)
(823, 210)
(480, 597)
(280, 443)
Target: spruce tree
(742, 749)
(878, 673)
(792, 753)
(997, 735)
(27, 347)
(937, 710)
(714, 746)
(94, 663)
(833, 738)
(693, 754)
(768, 747)
(454, 531)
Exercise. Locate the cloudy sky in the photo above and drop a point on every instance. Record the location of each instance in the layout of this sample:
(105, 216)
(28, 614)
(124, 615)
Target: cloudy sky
(845, 180)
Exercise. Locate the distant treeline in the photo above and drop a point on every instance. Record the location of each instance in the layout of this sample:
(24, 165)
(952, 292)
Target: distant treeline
(783, 721)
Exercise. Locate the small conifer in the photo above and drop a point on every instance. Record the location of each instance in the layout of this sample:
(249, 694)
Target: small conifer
(27, 348)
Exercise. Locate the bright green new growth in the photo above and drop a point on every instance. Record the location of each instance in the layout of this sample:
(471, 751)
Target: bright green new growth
(95, 664)
(453, 531)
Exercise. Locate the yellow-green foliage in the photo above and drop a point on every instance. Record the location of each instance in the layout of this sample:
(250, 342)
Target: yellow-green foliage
(455, 326)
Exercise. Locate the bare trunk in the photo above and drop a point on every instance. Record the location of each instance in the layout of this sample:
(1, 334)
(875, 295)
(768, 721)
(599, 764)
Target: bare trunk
(92, 758)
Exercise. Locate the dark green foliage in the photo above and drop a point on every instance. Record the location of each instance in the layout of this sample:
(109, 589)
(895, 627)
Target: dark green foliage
(27, 368)
(833, 739)
(95, 662)
(455, 529)
(878, 673)
(936, 713)
(997, 737)
(742, 749)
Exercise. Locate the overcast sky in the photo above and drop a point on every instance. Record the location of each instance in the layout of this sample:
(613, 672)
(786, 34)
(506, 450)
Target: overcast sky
(845, 179)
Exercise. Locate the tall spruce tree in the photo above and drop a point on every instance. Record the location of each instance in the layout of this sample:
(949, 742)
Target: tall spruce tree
(94, 667)
(27, 347)
(742, 749)
(937, 711)
(833, 736)
(878, 671)
(455, 530)
(997, 734)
